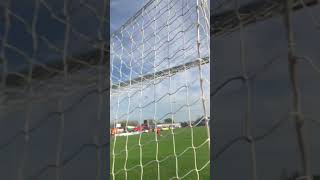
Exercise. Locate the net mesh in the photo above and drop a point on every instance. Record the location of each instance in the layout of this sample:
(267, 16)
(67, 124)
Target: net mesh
(54, 90)
(160, 73)
(275, 126)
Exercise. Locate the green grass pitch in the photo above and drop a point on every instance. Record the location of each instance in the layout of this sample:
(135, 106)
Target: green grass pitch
(186, 159)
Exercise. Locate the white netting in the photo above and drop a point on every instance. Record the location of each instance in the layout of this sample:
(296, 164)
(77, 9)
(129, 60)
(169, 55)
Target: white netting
(53, 61)
(160, 70)
(263, 109)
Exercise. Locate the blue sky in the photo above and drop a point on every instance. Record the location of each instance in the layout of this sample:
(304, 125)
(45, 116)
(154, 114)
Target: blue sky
(122, 10)
(121, 55)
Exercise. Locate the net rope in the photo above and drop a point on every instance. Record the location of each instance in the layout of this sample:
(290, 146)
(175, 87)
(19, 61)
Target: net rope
(157, 57)
(232, 19)
(48, 84)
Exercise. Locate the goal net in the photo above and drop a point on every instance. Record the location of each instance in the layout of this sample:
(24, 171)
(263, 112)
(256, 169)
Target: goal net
(264, 90)
(53, 89)
(159, 101)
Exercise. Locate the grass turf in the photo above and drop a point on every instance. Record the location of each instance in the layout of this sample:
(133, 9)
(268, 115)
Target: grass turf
(185, 161)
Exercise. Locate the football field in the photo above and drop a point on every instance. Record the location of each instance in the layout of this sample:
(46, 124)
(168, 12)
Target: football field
(169, 165)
